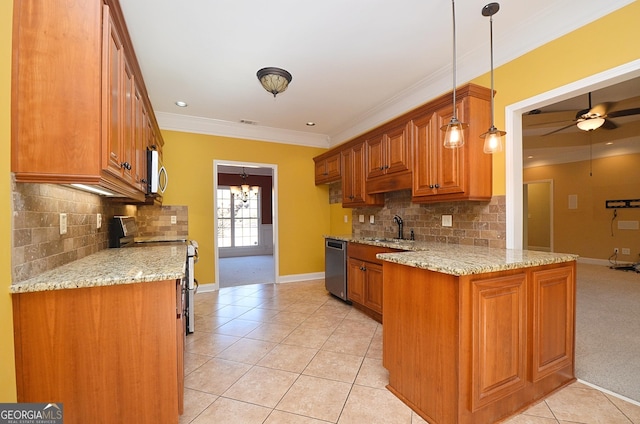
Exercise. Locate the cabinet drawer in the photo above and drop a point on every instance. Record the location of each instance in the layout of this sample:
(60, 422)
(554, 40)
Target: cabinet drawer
(367, 252)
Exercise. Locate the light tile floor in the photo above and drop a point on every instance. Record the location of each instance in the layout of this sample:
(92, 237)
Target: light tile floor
(291, 353)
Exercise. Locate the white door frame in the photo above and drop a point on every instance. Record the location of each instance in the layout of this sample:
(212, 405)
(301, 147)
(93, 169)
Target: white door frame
(513, 123)
(274, 202)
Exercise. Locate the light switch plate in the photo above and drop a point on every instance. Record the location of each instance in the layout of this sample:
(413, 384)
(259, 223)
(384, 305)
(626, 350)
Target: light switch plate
(372, 219)
(63, 223)
(447, 220)
(99, 220)
(346, 219)
(361, 218)
(174, 219)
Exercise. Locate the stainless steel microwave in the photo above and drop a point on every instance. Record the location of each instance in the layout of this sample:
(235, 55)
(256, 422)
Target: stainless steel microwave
(157, 176)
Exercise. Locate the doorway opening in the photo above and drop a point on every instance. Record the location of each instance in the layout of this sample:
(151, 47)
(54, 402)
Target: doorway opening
(513, 124)
(245, 222)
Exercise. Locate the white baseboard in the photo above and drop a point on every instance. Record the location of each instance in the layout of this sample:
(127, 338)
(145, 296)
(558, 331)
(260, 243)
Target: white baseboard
(295, 278)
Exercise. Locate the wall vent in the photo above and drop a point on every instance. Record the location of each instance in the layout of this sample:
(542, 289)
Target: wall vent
(248, 122)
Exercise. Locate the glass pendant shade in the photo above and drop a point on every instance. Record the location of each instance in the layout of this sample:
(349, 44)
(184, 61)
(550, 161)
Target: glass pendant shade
(590, 124)
(493, 136)
(274, 80)
(454, 133)
(492, 140)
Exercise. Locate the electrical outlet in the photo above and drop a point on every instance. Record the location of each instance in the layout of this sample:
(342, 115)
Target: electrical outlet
(615, 250)
(63, 223)
(346, 219)
(174, 219)
(99, 220)
(447, 220)
(372, 219)
(626, 251)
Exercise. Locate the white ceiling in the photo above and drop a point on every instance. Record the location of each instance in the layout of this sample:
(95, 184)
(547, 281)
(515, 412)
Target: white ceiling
(355, 64)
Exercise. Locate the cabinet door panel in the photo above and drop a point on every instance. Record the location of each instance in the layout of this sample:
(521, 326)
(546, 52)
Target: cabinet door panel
(448, 163)
(113, 66)
(398, 151)
(375, 163)
(499, 342)
(373, 287)
(355, 283)
(423, 178)
(553, 320)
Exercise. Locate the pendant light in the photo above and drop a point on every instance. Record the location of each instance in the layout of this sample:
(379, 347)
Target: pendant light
(493, 137)
(454, 130)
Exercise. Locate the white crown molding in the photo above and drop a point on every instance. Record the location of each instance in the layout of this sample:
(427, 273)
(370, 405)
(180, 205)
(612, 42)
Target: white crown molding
(200, 125)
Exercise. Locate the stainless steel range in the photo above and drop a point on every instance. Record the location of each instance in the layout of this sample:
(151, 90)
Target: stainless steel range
(123, 233)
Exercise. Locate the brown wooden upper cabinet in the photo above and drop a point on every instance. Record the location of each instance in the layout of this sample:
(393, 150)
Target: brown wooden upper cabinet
(408, 153)
(328, 168)
(442, 174)
(80, 109)
(388, 160)
(353, 178)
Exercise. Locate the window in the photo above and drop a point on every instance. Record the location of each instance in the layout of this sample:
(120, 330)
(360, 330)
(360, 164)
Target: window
(238, 221)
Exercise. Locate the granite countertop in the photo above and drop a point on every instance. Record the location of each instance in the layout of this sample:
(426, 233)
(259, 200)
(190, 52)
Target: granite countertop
(455, 259)
(111, 267)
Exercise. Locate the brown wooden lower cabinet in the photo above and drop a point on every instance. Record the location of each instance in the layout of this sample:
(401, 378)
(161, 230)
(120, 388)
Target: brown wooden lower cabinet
(478, 348)
(109, 354)
(364, 273)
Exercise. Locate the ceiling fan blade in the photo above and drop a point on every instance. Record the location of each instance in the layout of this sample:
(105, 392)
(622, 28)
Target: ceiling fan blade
(609, 125)
(548, 119)
(626, 112)
(559, 129)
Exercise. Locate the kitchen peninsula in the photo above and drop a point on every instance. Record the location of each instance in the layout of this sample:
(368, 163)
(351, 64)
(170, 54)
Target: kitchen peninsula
(104, 336)
(475, 334)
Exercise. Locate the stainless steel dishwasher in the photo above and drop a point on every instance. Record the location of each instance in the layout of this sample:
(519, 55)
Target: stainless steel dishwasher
(335, 267)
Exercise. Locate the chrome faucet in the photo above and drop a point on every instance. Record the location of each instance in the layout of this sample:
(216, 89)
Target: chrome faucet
(398, 221)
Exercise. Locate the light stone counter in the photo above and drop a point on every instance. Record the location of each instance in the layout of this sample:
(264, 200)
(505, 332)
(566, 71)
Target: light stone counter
(111, 267)
(454, 259)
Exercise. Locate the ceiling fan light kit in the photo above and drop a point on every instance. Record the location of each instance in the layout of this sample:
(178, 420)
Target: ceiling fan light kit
(274, 80)
(590, 124)
(454, 130)
(493, 137)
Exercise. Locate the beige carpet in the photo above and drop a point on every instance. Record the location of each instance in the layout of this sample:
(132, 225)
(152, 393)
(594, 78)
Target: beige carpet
(608, 329)
(245, 270)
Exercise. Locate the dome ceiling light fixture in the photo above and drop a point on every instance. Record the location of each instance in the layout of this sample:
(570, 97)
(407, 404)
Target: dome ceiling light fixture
(493, 136)
(454, 130)
(274, 80)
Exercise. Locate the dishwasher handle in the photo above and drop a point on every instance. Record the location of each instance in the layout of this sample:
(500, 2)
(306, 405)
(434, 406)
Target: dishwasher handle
(333, 244)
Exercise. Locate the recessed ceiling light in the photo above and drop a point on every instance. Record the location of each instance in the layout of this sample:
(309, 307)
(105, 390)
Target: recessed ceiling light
(529, 157)
(181, 104)
(609, 143)
(311, 124)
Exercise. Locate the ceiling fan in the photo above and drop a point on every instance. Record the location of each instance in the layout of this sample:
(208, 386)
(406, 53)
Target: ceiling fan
(598, 116)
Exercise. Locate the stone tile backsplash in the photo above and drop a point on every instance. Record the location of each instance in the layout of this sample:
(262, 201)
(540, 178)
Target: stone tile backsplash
(156, 221)
(38, 246)
(473, 223)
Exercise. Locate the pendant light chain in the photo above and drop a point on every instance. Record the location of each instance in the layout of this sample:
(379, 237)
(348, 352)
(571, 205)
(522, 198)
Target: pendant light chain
(491, 45)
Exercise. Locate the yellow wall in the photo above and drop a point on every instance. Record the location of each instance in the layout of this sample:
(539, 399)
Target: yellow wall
(587, 230)
(579, 54)
(303, 214)
(338, 226)
(539, 215)
(7, 369)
